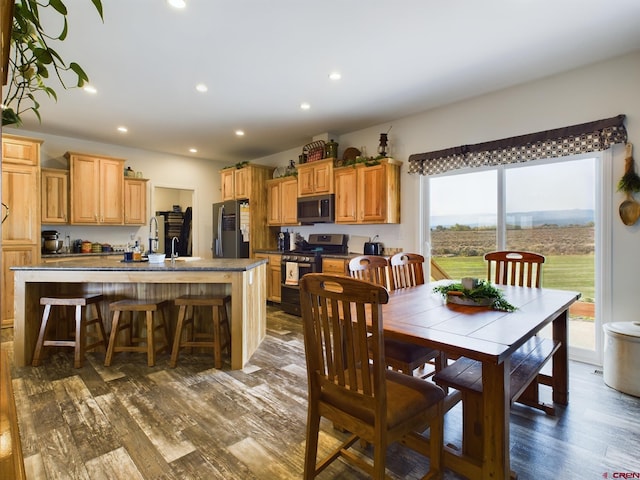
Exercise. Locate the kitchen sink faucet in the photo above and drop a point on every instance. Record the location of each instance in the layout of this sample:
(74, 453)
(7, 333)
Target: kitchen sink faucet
(174, 254)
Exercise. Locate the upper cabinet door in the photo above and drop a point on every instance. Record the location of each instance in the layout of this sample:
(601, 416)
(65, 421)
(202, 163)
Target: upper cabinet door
(346, 199)
(372, 194)
(112, 192)
(55, 196)
(226, 184)
(85, 185)
(242, 182)
(135, 201)
(20, 187)
(21, 150)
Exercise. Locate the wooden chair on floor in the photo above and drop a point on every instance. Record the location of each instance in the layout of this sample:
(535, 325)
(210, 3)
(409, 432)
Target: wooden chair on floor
(407, 270)
(80, 305)
(372, 268)
(342, 321)
(402, 356)
(523, 269)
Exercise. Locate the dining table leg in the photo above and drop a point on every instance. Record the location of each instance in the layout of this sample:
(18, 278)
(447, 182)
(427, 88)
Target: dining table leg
(560, 369)
(496, 407)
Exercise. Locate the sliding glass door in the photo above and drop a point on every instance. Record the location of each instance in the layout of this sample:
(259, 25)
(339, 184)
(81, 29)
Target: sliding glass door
(548, 207)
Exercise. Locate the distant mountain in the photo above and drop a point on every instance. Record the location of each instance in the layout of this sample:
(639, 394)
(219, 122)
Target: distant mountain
(523, 219)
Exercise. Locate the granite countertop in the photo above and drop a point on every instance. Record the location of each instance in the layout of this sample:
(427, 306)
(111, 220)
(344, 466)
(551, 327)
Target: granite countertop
(181, 264)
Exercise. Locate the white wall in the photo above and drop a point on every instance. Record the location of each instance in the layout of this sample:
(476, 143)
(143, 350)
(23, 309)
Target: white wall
(599, 91)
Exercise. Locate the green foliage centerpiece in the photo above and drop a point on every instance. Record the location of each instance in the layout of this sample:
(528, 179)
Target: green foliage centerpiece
(478, 292)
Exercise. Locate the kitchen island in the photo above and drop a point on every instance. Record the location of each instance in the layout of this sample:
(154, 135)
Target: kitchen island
(243, 279)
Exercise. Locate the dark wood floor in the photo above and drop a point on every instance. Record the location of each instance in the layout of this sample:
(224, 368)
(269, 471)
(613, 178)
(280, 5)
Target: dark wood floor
(130, 421)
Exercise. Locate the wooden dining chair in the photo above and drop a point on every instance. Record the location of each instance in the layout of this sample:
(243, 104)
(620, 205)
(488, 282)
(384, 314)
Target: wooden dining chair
(407, 271)
(372, 268)
(508, 267)
(342, 323)
(401, 356)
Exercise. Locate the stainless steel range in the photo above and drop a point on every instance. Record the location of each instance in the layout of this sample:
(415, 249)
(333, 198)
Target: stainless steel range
(306, 258)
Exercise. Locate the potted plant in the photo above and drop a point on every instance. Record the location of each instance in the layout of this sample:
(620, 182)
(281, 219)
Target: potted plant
(32, 59)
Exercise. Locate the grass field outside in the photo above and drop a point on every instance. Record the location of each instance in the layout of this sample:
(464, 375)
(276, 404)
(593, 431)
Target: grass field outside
(564, 272)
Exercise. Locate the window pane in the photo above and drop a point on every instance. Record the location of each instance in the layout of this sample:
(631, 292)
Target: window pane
(463, 219)
(550, 210)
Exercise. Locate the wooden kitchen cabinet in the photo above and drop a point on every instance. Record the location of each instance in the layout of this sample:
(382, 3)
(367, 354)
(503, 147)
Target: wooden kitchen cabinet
(368, 194)
(21, 150)
(338, 266)
(21, 237)
(14, 256)
(226, 184)
(241, 183)
(54, 194)
(315, 178)
(250, 183)
(135, 201)
(282, 201)
(97, 189)
(274, 276)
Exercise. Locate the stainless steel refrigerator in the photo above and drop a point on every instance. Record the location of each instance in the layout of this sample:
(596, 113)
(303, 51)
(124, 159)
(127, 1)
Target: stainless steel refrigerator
(231, 229)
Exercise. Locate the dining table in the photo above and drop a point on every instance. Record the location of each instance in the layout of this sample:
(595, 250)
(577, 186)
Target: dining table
(422, 316)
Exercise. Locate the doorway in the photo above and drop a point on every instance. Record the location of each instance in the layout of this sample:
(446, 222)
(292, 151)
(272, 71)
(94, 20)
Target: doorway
(173, 207)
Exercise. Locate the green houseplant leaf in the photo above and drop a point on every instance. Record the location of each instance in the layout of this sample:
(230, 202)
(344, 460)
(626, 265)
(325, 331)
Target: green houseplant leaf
(32, 59)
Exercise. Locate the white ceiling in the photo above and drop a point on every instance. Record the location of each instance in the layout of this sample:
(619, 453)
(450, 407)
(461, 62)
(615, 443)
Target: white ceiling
(262, 58)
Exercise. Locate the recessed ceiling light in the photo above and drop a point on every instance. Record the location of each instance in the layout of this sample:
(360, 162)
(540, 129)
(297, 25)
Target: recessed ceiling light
(90, 89)
(201, 87)
(193, 150)
(177, 3)
(305, 106)
(123, 129)
(240, 133)
(335, 76)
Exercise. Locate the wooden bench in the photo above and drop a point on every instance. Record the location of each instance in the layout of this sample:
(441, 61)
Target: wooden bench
(465, 375)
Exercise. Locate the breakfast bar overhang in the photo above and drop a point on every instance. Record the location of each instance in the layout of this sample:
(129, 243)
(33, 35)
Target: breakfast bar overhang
(243, 279)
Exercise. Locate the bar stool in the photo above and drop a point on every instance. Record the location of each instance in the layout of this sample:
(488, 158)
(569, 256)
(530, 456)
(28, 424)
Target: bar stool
(137, 343)
(81, 335)
(186, 316)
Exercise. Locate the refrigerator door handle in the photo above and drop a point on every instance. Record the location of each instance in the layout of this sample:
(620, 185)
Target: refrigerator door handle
(219, 251)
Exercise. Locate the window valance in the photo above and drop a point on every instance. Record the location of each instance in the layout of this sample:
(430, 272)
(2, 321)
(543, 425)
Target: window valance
(583, 138)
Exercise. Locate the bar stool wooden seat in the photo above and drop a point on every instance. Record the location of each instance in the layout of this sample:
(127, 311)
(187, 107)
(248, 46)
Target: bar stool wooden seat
(82, 323)
(152, 311)
(186, 316)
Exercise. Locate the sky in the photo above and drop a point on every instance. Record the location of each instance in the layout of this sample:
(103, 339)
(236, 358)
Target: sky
(551, 186)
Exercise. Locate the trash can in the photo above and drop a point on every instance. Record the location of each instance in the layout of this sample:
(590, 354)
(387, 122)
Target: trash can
(622, 356)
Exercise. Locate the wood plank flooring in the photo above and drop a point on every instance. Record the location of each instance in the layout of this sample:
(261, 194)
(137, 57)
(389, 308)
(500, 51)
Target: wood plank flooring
(130, 421)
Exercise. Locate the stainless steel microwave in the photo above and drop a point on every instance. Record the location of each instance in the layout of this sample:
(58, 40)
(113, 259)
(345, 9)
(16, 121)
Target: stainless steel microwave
(317, 209)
